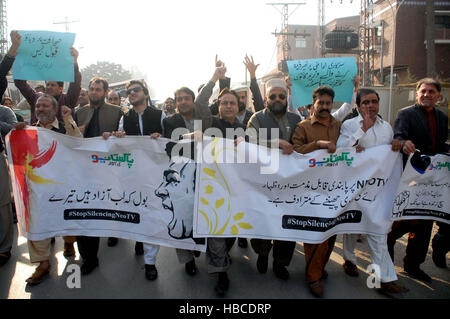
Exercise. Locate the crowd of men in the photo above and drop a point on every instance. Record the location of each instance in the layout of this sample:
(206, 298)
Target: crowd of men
(96, 111)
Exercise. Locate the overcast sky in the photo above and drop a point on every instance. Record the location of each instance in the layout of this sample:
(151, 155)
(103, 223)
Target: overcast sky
(172, 42)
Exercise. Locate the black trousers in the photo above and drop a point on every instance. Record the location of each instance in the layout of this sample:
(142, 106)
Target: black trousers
(88, 247)
(282, 250)
(441, 241)
(418, 241)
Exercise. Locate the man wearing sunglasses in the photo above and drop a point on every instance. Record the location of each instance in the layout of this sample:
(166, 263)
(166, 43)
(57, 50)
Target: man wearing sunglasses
(142, 119)
(93, 120)
(274, 117)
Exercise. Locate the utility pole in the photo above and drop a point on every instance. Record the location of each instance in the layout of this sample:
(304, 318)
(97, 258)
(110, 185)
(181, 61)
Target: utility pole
(321, 27)
(3, 29)
(66, 22)
(285, 29)
(429, 37)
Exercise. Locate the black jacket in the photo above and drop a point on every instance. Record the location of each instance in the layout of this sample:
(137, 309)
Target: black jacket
(411, 124)
(151, 120)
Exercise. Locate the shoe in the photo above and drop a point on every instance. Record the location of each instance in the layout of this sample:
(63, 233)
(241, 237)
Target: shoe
(392, 288)
(88, 266)
(139, 248)
(316, 288)
(350, 269)
(112, 241)
(4, 257)
(190, 268)
(262, 263)
(223, 283)
(151, 273)
(438, 257)
(69, 251)
(280, 271)
(417, 273)
(39, 275)
(242, 242)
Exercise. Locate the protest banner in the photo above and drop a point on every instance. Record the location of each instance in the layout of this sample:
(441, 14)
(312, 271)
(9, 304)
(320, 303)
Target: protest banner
(306, 75)
(310, 198)
(424, 192)
(120, 187)
(45, 56)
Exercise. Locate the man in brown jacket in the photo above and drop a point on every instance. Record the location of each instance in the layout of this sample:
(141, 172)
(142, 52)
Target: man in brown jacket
(320, 131)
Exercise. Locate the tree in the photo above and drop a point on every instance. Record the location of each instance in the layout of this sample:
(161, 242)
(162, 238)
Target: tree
(112, 72)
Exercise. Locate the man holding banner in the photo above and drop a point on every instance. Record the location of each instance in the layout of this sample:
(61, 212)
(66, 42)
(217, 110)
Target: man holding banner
(94, 119)
(423, 129)
(141, 120)
(321, 131)
(274, 117)
(39, 250)
(367, 130)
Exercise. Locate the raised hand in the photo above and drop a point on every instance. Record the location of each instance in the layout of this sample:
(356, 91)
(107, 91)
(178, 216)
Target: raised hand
(219, 72)
(74, 52)
(368, 121)
(251, 66)
(16, 40)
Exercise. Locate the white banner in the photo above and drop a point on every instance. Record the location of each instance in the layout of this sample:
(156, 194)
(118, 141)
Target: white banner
(309, 198)
(424, 193)
(115, 188)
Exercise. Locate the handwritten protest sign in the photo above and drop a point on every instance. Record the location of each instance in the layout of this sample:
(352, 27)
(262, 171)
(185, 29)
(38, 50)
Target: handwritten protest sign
(45, 56)
(306, 75)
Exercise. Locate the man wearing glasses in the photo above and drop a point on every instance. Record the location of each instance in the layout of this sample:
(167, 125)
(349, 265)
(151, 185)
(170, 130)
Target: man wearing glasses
(274, 117)
(142, 120)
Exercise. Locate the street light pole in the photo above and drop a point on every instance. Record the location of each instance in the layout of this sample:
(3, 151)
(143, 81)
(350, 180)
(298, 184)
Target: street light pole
(394, 31)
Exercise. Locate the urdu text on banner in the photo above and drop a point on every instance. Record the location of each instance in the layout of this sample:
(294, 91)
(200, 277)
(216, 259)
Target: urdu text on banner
(424, 193)
(118, 187)
(309, 198)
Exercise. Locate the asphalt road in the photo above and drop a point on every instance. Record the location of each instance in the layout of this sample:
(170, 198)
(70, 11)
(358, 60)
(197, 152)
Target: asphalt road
(121, 276)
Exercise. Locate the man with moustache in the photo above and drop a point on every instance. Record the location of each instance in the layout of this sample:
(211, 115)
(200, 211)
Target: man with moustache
(320, 131)
(425, 128)
(113, 98)
(190, 109)
(169, 106)
(274, 116)
(39, 250)
(95, 119)
(83, 99)
(54, 89)
(141, 120)
(367, 130)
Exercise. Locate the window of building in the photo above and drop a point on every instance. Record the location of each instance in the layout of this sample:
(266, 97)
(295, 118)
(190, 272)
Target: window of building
(442, 21)
(300, 42)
